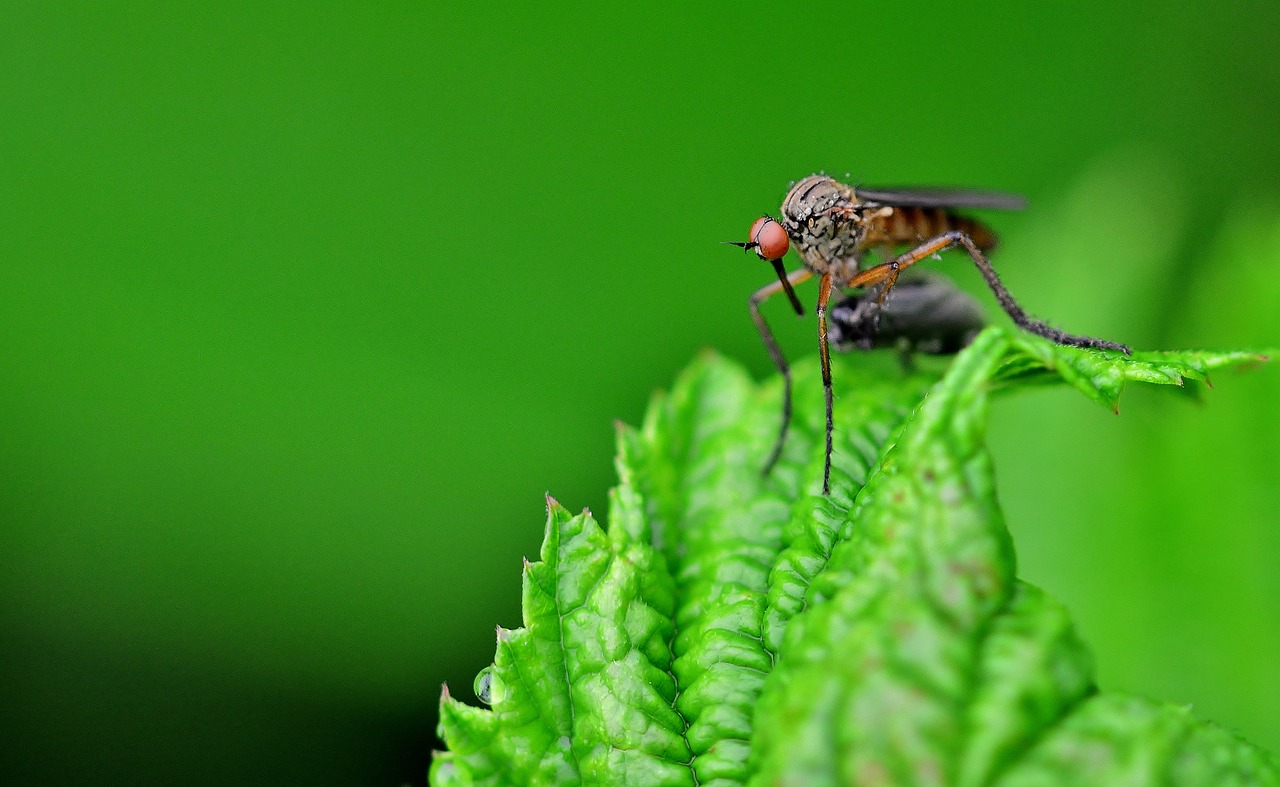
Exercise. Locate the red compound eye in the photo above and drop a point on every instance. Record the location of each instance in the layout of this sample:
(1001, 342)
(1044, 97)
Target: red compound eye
(770, 239)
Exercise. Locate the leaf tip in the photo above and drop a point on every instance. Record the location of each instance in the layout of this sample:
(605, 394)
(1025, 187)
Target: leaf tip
(505, 634)
(445, 696)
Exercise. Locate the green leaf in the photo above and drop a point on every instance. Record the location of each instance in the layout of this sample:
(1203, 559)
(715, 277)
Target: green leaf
(732, 629)
(1102, 375)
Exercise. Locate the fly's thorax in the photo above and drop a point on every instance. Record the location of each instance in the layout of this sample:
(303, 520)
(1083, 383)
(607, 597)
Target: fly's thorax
(823, 230)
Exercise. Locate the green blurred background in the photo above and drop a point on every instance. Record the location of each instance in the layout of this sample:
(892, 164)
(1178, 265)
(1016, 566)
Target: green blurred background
(302, 309)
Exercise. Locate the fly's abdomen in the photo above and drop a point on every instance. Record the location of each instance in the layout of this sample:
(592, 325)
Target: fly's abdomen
(911, 226)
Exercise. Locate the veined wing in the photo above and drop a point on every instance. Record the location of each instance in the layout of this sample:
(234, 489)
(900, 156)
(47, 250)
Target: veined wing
(926, 197)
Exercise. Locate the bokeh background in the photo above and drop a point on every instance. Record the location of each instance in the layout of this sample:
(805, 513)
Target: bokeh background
(303, 308)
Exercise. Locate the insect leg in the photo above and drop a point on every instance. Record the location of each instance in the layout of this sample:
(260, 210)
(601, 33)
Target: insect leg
(888, 274)
(775, 352)
(824, 295)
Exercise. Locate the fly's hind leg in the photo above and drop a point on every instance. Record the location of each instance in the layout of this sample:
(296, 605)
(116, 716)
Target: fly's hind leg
(775, 353)
(887, 275)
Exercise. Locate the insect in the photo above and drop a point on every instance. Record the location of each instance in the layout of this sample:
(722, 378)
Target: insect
(833, 226)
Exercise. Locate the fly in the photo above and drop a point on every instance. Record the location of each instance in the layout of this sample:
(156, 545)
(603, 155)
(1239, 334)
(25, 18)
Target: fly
(833, 226)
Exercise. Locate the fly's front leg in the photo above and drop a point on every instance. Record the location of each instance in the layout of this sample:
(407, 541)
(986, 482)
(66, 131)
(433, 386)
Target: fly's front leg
(887, 274)
(775, 352)
(824, 350)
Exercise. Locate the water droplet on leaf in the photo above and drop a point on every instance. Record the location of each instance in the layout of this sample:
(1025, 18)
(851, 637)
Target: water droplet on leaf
(489, 687)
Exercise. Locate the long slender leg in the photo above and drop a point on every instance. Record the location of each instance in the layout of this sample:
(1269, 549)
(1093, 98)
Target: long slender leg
(887, 275)
(824, 295)
(775, 352)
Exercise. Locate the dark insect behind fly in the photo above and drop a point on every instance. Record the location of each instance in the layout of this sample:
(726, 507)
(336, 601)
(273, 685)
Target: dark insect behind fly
(832, 227)
(928, 315)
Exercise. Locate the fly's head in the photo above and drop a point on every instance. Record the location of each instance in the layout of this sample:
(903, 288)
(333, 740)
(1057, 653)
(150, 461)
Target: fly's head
(766, 238)
(769, 241)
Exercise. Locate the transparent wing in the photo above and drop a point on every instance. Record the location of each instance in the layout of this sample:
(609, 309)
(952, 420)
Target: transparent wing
(912, 197)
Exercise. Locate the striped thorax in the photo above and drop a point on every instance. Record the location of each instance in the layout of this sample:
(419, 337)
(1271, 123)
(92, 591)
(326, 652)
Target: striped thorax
(826, 226)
